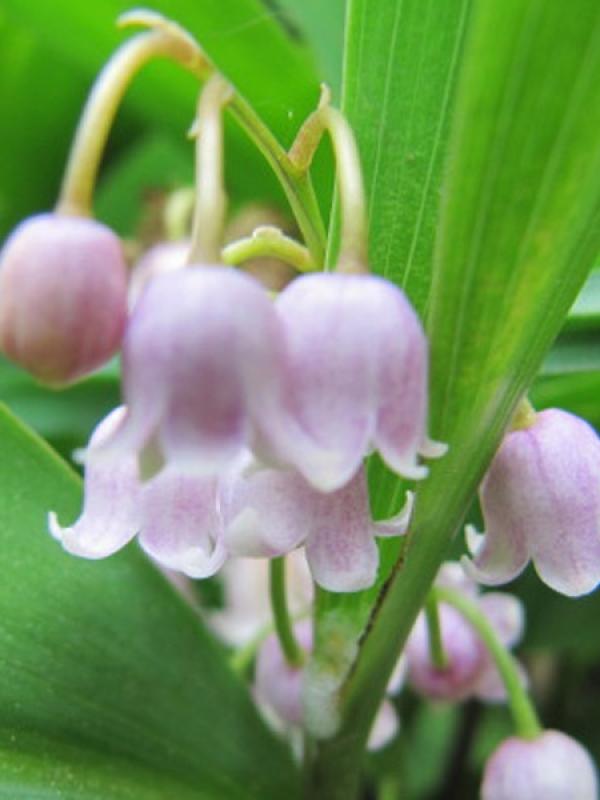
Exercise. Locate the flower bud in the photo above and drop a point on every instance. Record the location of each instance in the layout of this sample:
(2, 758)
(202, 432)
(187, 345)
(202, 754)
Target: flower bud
(63, 296)
(541, 502)
(553, 767)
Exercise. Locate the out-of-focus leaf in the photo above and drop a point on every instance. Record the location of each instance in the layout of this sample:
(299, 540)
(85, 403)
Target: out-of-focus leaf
(65, 418)
(577, 393)
(32, 133)
(111, 687)
(321, 25)
(281, 83)
(585, 311)
(573, 353)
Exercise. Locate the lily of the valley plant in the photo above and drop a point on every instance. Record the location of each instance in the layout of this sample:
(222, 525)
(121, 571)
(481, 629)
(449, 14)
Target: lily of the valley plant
(315, 450)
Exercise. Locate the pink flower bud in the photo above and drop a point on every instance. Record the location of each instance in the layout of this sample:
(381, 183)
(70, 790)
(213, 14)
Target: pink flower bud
(551, 767)
(63, 296)
(541, 502)
(278, 684)
(469, 670)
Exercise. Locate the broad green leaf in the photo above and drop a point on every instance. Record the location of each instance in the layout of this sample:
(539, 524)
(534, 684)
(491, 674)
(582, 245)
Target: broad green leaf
(111, 687)
(518, 232)
(400, 75)
(399, 85)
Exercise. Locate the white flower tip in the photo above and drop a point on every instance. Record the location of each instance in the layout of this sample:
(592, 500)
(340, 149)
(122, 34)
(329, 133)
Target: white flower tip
(54, 527)
(474, 539)
(432, 449)
(397, 525)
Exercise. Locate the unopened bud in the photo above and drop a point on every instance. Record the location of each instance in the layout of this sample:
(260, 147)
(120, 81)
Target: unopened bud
(63, 296)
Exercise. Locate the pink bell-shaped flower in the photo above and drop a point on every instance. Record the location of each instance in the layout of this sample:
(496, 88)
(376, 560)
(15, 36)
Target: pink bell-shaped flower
(63, 296)
(202, 372)
(551, 767)
(357, 360)
(175, 516)
(279, 687)
(270, 512)
(469, 670)
(541, 502)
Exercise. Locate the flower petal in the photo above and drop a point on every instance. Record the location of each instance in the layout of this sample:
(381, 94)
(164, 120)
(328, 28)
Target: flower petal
(111, 507)
(181, 528)
(201, 361)
(341, 549)
(499, 555)
(385, 726)
(333, 370)
(267, 512)
(397, 525)
(564, 524)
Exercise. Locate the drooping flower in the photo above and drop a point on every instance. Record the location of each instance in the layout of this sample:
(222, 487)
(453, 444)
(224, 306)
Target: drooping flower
(202, 372)
(174, 515)
(469, 670)
(541, 502)
(279, 686)
(553, 767)
(357, 361)
(63, 296)
(269, 512)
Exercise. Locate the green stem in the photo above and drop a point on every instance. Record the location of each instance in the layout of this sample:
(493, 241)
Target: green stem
(281, 617)
(352, 256)
(102, 104)
(296, 184)
(436, 645)
(211, 201)
(523, 712)
(269, 242)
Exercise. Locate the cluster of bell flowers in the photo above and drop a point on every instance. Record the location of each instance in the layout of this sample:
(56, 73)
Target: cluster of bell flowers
(246, 423)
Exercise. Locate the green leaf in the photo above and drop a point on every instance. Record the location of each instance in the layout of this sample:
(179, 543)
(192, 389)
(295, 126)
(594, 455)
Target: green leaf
(518, 233)
(111, 687)
(400, 77)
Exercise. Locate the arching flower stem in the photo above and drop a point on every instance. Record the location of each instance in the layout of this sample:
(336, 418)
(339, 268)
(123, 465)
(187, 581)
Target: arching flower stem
(102, 104)
(211, 200)
(269, 242)
(523, 712)
(352, 256)
(436, 645)
(281, 617)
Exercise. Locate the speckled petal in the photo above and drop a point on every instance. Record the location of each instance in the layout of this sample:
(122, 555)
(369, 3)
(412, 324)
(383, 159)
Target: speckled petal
(111, 509)
(181, 527)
